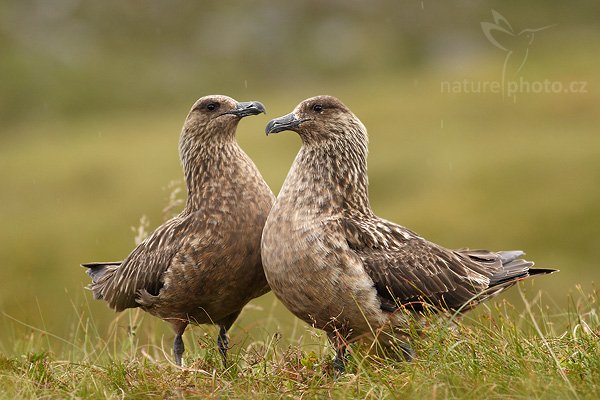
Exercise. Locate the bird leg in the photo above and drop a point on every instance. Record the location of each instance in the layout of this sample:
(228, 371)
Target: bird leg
(398, 344)
(178, 346)
(223, 344)
(178, 349)
(222, 339)
(407, 351)
(339, 362)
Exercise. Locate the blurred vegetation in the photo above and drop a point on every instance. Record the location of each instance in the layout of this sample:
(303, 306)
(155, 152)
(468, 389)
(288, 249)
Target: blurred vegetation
(93, 94)
(70, 57)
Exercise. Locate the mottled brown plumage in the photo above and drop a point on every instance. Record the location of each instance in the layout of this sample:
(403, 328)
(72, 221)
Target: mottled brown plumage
(204, 265)
(338, 266)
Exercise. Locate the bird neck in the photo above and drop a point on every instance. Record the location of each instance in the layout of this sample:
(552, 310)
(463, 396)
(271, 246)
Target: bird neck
(330, 178)
(209, 169)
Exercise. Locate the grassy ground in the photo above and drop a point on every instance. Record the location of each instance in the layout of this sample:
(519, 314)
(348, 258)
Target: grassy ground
(497, 353)
(460, 169)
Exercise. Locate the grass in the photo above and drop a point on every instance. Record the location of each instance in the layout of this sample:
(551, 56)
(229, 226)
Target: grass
(498, 352)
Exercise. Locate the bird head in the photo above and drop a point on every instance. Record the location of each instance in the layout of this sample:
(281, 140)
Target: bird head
(320, 119)
(218, 115)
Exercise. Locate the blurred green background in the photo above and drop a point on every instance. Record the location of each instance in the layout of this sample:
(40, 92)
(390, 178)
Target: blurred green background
(93, 95)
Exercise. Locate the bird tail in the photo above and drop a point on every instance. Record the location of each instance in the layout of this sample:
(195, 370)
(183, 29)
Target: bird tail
(510, 268)
(514, 269)
(99, 272)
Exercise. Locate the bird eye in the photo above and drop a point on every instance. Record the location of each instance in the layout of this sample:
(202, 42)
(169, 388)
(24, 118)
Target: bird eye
(211, 107)
(317, 108)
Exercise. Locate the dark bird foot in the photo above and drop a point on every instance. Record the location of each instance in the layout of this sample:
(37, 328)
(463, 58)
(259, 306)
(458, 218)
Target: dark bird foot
(407, 352)
(223, 344)
(339, 365)
(340, 360)
(178, 349)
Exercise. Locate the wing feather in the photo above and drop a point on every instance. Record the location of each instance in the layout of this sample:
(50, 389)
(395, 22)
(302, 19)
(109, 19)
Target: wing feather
(143, 271)
(410, 271)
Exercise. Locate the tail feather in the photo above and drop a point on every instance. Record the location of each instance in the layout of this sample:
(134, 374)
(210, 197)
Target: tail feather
(509, 268)
(511, 255)
(542, 271)
(510, 271)
(515, 269)
(97, 271)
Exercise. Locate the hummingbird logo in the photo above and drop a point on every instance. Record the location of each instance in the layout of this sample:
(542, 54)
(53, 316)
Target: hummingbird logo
(501, 34)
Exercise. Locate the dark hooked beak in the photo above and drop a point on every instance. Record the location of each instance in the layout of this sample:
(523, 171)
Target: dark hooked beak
(243, 109)
(285, 123)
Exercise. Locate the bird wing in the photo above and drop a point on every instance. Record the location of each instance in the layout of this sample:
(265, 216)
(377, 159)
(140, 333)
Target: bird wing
(144, 269)
(410, 271)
